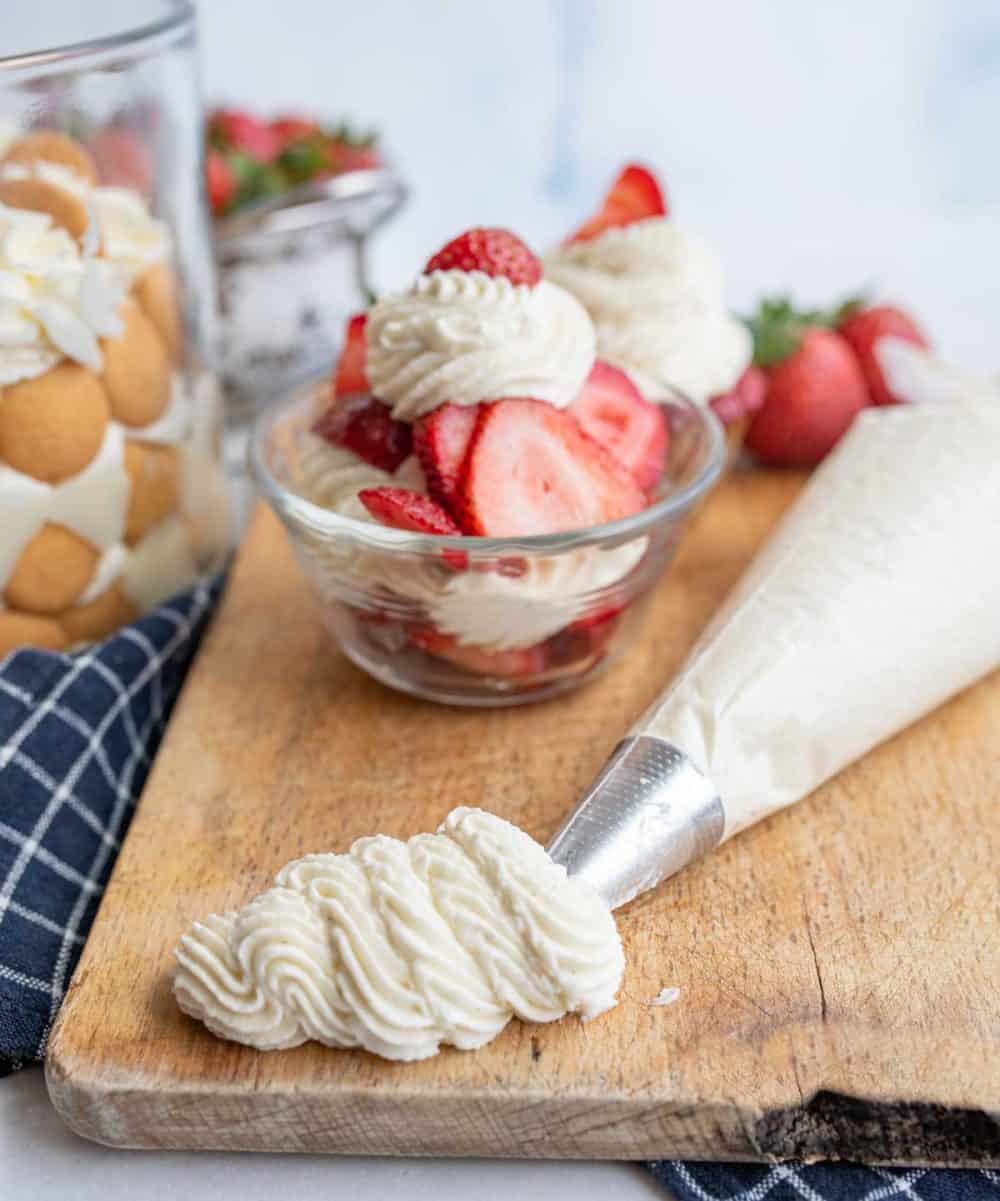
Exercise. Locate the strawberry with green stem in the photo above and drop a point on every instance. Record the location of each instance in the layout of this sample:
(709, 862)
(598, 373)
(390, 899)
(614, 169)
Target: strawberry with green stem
(815, 386)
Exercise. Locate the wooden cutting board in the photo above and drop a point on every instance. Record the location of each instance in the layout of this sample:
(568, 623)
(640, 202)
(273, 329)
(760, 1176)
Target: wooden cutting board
(838, 966)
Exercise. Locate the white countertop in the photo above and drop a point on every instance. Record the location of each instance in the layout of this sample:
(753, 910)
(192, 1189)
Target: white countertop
(41, 1160)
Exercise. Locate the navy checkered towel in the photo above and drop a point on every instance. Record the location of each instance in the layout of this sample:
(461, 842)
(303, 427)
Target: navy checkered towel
(77, 737)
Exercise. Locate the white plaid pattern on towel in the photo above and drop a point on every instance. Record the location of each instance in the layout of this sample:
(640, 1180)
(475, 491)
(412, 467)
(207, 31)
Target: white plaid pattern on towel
(796, 1181)
(77, 737)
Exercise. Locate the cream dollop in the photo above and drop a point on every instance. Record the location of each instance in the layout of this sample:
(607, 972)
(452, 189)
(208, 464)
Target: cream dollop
(655, 294)
(402, 947)
(54, 302)
(462, 337)
(332, 476)
(501, 612)
(122, 229)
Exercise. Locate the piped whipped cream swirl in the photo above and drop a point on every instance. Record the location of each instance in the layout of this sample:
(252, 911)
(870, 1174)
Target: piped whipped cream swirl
(655, 294)
(461, 337)
(401, 947)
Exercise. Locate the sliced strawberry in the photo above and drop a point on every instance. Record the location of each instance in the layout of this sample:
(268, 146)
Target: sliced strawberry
(583, 639)
(744, 398)
(864, 327)
(441, 440)
(532, 470)
(350, 376)
(406, 510)
(511, 664)
(611, 409)
(366, 426)
(634, 196)
(492, 251)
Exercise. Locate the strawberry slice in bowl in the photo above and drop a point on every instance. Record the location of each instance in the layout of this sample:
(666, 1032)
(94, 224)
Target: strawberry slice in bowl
(612, 410)
(401, 509)
(441, 443)
(522, 663)
(531, 469)
(366, 426)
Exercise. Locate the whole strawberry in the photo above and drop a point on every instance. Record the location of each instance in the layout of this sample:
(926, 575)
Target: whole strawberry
(233, 129)
(492, 251)
(863, 327)
(815, 387)
(220, 182)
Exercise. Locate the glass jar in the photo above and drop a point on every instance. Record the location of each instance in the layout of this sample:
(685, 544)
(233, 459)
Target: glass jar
(292, 269)
(111, 488)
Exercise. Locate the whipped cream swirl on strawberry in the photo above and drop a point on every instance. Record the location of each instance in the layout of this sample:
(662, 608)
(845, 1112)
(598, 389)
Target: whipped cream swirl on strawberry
(461, 337)
(655, 294)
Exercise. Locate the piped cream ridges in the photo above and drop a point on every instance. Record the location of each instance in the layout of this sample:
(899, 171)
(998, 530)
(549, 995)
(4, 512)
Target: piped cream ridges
(655, 295)
(99, 440)
(461, 337)
(402, 947)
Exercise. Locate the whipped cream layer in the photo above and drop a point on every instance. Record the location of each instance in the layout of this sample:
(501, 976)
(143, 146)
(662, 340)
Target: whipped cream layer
(458, 337)
(121, 228)
(54, 302)
(477, 608)
(402, 947)
(502, 612)
(332, 476)
(875, 601)
(94, 503)
(655, 295)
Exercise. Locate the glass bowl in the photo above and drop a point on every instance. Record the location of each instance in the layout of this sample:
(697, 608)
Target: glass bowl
(480, 621)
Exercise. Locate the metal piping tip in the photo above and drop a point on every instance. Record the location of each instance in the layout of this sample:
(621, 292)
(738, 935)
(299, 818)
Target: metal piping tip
(649, 813)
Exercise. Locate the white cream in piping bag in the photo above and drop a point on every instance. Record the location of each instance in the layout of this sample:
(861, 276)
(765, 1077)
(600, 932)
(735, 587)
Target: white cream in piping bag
(401, 947)
(876, 600)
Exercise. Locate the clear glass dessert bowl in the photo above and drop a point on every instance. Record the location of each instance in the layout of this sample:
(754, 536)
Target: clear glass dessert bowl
(481, 621)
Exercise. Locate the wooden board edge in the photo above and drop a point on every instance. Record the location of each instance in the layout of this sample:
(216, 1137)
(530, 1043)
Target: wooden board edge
(126, 1114)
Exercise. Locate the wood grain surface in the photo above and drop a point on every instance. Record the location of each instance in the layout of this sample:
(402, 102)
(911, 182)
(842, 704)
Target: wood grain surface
(838, 965)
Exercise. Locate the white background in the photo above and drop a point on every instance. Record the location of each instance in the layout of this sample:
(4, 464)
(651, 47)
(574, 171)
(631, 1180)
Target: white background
(821, 146)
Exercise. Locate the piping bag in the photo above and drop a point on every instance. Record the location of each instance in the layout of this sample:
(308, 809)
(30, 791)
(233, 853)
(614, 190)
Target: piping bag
(876, 599)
